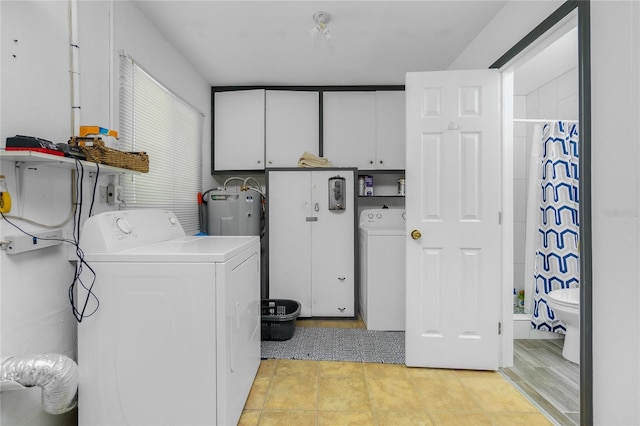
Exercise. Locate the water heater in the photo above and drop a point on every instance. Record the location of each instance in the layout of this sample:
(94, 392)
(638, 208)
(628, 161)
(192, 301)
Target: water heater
(233, 212)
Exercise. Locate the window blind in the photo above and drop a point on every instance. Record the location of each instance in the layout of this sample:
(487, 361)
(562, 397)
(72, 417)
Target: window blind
(156, 121)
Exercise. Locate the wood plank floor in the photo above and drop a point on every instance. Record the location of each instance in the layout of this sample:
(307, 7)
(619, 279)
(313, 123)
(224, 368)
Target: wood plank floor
(552, 382)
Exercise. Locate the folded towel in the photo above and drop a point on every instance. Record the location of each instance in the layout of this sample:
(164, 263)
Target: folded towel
(309, 160)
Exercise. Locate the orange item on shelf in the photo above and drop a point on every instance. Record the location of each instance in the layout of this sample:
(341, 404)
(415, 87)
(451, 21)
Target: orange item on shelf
(96, 130)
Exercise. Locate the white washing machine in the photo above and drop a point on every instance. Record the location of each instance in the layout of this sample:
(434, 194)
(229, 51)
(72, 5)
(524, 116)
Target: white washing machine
(175, 339)
(382, 269)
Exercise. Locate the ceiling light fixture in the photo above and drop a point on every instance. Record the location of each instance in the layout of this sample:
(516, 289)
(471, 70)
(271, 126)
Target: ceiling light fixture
(321, 19)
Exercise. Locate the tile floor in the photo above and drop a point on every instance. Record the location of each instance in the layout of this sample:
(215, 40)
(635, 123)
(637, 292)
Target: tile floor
(300, 392)
(553, 383)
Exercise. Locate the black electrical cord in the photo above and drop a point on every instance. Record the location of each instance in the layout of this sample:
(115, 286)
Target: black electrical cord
(79, 314)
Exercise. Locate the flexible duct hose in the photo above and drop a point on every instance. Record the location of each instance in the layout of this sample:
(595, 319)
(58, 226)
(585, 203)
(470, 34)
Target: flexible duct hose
(57, 375)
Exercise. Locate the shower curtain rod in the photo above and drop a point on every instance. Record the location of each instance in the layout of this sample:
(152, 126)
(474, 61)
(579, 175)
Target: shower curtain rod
(539, 120)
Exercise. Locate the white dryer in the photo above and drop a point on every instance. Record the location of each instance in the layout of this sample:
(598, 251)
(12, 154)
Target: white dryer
(382, 269)
(175, 338)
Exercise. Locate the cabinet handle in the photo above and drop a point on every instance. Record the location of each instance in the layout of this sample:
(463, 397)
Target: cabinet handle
(370, 161)
(259, 161)
(270, 162)
(317, 207)
(380, 161)
(342, 309)
(341, 279)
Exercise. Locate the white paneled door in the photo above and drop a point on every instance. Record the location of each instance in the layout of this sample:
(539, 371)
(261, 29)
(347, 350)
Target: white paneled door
(453, 219)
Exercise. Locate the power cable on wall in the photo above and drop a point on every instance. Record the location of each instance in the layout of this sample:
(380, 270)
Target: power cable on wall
(79, 308)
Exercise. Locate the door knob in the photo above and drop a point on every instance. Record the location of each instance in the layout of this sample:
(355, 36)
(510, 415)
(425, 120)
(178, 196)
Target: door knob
(415, 234)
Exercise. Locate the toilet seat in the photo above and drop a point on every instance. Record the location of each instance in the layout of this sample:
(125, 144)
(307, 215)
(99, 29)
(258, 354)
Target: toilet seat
(568, 297)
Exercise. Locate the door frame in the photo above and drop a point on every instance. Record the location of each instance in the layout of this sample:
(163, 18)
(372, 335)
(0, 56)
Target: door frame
(584, 116)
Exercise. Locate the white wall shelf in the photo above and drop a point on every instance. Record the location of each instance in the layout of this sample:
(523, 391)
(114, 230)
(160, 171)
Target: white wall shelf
(39, 158)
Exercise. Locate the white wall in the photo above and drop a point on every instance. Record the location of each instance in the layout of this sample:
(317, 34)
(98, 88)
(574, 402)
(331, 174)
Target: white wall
(35, 314)
(615, 67)
(615, 85)
(35, 311)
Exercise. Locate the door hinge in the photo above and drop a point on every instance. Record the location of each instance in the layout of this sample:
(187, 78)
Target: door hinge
(499, 328)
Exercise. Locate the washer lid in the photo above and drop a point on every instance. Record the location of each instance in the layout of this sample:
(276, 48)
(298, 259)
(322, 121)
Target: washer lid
(190, 249)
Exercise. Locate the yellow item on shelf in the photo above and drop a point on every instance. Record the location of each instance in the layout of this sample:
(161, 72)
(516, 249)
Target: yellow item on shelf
(5, 197)
(96, 130)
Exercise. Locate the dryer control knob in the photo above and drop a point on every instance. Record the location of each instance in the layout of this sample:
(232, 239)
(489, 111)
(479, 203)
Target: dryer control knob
(123, 225)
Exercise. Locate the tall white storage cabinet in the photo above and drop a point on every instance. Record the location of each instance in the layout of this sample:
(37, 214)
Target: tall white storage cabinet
(312, 249)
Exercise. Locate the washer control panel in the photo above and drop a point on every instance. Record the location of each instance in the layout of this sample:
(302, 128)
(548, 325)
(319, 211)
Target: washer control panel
(383, 218)
(121, 230)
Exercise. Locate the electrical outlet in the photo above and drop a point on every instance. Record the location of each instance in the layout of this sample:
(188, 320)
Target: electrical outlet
(114, 193)
(102, 194)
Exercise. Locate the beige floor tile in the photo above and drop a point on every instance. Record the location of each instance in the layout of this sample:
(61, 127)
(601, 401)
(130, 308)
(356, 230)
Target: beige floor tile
(394, 394)
(445, 395)
(348, 393)
(286, 418)
(339, 368)
(249, 418)
(291, 367)
(379, 371)
(302, 392)
(496, 395)
(258, 393)
(460, 419)
(402, 418)
(431, 373)
(292, 393)
(519, 419)
(484, 374)
(267, 367)
(340, 418)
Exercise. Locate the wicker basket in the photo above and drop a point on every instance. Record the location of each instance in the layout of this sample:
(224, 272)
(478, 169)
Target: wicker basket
(95, 150)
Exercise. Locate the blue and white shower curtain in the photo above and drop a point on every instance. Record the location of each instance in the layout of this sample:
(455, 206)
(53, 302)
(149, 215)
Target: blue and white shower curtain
(556, 263)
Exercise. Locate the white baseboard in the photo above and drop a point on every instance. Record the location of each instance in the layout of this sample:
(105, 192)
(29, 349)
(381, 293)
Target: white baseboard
(522, 329)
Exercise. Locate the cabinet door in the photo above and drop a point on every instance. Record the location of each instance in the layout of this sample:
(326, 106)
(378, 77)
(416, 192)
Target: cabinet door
(332, 252)
(349, 129)
(390, 130)
(238, 130)
(289, 206)
(292, 126)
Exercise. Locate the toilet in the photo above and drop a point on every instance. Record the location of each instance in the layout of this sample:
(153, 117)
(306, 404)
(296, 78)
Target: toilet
(566, 305)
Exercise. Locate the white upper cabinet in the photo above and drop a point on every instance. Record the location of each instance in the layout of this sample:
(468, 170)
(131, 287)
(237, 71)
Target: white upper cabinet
(390, 130)
(349, 129)
(260, 128)
(291, 125)
(239, 130)
(364, 129)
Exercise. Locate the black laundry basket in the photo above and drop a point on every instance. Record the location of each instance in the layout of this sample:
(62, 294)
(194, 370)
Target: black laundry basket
(279, 318)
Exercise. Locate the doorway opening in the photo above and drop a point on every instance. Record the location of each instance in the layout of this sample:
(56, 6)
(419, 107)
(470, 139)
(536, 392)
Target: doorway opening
(546, 79)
